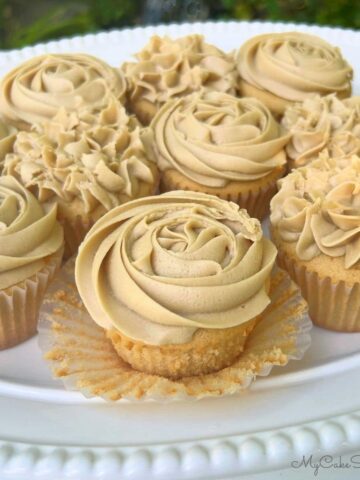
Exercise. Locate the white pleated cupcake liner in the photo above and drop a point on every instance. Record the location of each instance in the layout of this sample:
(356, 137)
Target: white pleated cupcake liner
(79, 352)
(332, 305)
(20, 304)
(256, 201)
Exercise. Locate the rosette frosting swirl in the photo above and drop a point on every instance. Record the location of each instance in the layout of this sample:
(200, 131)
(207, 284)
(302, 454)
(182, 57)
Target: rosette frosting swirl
(323, 123)
(27, 234)
(318, 207)
(214, 138)
(159, 268)
(35, 90)
(87, 162)
(293, 65)
(168, 68)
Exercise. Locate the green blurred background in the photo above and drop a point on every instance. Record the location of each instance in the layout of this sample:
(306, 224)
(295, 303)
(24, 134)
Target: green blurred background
(25, 22)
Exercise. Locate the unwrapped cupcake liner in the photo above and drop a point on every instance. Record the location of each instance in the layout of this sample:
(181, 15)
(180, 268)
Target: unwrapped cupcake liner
(255, 201)
(332, 305)
(20, 304)
(79, 352)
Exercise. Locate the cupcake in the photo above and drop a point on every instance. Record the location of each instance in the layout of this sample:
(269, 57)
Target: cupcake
(215, 143)
(87, 162)
(282, 68)
(315, 221)
(167, 69)
(31, 247)
(177, 281)
(35, 90)
(322, 123)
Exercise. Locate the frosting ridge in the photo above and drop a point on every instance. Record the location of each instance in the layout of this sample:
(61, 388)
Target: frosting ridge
(318, 208)
(323, 123)
(7, 137)
(293, 65)
(168, 68)
(35, 90)
(86, 161)
(23, 218)
(214, 138)
(186, 261)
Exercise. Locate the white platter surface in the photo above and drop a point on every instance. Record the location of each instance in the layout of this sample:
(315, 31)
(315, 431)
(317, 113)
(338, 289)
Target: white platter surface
(309, 407)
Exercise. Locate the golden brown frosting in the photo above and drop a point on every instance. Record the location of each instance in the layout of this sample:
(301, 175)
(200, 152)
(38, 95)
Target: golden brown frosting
(214, 138)
(159, 268)
(318, 207)
(323, 123)
(168, 68)
(27, 234)
(35, 90)
(293, 65)
(95, 161)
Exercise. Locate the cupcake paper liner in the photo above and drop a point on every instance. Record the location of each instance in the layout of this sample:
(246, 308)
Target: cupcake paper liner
(79, 352)
(332, 305)
(74, 233)
(20, 304)
(255, 201)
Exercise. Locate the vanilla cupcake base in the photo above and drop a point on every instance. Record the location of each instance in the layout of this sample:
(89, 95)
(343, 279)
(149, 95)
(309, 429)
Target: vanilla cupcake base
(208, 351)
(20, 304)
(332, 293)
(80, 353)
(254, 196)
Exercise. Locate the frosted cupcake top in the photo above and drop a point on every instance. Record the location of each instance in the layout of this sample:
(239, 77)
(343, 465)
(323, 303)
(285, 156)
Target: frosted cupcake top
(321, 123)
(168, 68)
(35, 90)
(159, 268)
(27, 233)
(89, 162)
(214, 138)
(293, 65)
(318, 209)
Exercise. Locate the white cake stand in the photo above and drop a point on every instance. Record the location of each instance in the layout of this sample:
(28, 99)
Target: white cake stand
(310, 407)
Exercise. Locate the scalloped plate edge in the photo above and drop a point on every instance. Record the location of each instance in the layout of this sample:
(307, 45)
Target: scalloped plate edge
(255, 452)
(118, 36)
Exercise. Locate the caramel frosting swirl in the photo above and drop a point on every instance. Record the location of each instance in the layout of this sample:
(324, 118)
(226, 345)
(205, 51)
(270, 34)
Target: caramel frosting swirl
(168, 68)
(159, 268)
(27, 233)
(318, 207)
(35, 90)
(293, 65)
(214, 138)
(87, 162)
(323, 123)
